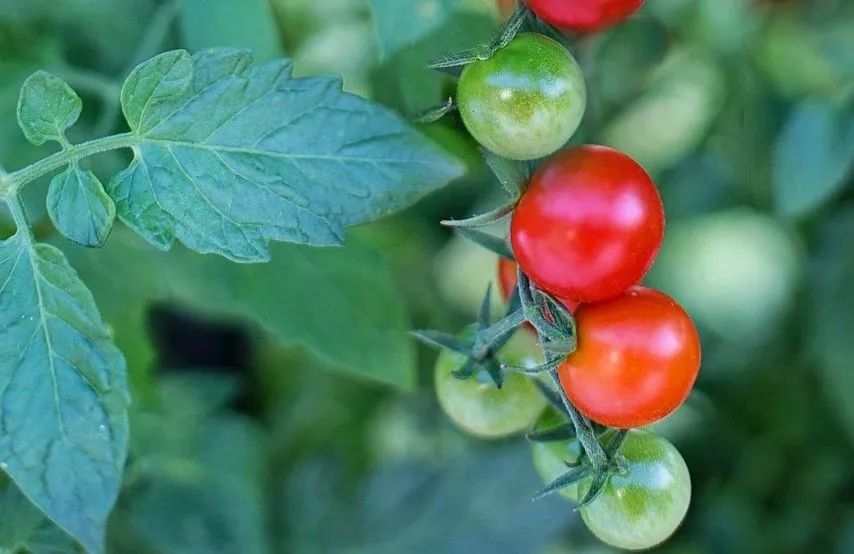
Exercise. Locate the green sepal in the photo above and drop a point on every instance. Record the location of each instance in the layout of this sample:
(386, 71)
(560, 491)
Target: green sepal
(483, 219)
(443, 340)
(492, 243)
(562, 432)
(571, 477)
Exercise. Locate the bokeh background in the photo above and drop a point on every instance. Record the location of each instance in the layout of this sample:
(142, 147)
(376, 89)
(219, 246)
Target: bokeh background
(282, 408)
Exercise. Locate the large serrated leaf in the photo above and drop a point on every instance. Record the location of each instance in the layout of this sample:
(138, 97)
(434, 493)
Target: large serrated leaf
(47, 107)
(332, 301)
(229, 157)
(79, 207)
(63, 396)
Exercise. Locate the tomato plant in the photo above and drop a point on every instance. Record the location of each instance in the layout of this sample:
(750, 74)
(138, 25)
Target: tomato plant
(638, 356)
(645, 501)
(168, 400)
(588, 225)
(477, 405)
(584, 15)
(526, 100)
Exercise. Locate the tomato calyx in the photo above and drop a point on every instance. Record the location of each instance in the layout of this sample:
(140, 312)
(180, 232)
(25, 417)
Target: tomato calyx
(584, 469)
(488, 339)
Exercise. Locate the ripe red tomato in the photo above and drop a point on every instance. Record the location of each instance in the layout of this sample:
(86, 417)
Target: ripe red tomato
(584, 15)
(638, 357)
(589, 224)
(507, 282)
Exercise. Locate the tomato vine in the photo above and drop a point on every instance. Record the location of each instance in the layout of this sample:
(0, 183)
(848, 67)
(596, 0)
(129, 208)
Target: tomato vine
(587, 224)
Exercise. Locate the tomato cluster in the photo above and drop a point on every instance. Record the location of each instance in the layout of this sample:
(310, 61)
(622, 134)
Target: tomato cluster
(584, 232)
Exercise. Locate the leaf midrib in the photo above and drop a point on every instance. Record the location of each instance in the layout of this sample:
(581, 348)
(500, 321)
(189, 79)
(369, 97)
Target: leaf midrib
(31, 255)
(168, 143)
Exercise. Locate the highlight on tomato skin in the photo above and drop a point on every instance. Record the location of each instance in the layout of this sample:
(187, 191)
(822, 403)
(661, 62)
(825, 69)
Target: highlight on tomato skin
(637, 359)
(589, 224)
(584, 15)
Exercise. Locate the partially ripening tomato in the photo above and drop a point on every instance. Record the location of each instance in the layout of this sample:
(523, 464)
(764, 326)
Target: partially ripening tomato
(641, 507)
(584, 15)
(637, 359)
(526, 100)
(589, 224)
(507, 282)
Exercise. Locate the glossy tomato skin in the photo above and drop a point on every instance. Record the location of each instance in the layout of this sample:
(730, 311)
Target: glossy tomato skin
(507, 282)
(644, 505)
(589, 224)
(584, 15)
(526, 100)
(477, 406)
(637, 359)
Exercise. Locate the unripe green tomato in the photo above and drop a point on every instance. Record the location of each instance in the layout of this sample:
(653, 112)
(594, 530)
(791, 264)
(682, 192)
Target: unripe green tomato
(551, 458)
(671, 118)
(736, 272)
(526, 100)
(477, 406)
(643, 506)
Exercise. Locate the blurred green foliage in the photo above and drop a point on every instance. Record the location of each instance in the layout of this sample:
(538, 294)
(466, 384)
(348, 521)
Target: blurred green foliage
(317, 431)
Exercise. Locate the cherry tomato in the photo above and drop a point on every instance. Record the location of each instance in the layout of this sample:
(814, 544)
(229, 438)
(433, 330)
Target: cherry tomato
(584, 15)
(641, 507)
(507, 282)
(638, 356)
(477, 406)
(589, 224)
(550, 458)
(526, 100)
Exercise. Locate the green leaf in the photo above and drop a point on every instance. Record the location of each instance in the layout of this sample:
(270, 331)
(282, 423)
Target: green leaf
(812, 157)
(829, 321)
(400, 23)
(244, 24)
(229, 157)
(200, 472)
(332, 301)
(24, 527)
(63, 396)
(47, 107)
(79, 207)
(470, 503)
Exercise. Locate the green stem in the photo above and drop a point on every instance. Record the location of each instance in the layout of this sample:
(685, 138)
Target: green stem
(583, 429)
(12, 182)
(19, 215)
(487, 339)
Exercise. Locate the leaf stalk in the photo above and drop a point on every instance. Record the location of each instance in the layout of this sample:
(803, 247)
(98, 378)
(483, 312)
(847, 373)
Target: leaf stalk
(12, 182)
